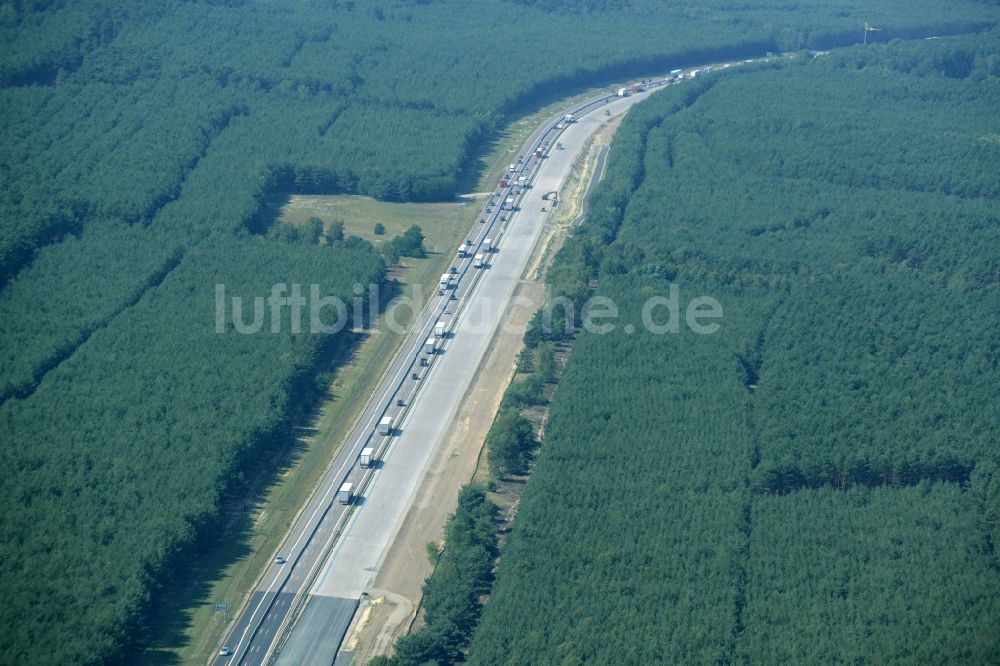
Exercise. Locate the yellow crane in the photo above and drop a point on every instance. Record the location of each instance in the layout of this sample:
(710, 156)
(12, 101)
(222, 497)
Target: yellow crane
(870, 28)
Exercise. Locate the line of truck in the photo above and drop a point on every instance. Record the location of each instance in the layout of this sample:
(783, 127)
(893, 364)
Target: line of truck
(511, 188)
(387, 425)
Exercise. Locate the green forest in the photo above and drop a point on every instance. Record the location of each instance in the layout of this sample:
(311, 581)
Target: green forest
(815, 482)
(141, 143)
(452, 596)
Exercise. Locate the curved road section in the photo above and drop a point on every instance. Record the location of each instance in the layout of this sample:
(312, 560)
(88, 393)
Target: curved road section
(333, 549)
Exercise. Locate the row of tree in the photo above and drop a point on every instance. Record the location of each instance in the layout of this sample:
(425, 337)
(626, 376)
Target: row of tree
(882, 574)
(118, 92)
(119, 460)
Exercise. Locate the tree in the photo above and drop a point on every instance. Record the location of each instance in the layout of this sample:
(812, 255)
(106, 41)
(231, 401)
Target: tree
(412, 243)
(335, 232)
(285, 233)
(312, 231)
(508, 443)
(408, 244)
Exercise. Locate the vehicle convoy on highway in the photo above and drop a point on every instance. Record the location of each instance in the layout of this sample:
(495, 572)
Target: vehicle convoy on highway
(257, 632)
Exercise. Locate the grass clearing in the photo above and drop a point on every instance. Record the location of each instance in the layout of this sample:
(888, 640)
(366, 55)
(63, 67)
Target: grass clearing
(442, 223)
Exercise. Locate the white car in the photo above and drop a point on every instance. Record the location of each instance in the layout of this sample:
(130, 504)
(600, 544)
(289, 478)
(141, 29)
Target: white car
(279, 560)
(224, 651)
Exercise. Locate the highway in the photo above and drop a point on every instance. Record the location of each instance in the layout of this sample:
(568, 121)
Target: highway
(333, 549)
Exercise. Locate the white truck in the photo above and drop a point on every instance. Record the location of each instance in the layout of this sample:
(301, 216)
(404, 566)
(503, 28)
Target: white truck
(346, 493)
(444, 283)
(439, 329)
(487, 245)
(479, 261)
(508, 203)
(569, 118)
(367, 457)
(623, 92)
(522, 182)
(385, 425)
(430, 346)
